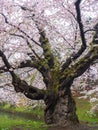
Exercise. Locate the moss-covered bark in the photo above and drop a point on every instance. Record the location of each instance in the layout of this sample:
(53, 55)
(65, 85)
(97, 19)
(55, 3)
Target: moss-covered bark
(61, 110)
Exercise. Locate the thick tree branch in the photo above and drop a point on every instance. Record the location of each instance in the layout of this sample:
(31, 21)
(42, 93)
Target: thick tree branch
(42, 64)
(22, 85)
(82, 34)
(48, 55)
(15, 79)
(95, 38)
(77, 5)
(39, 65)
(37, 95)
(29, 63)
(73, 57)
(79, 67)
(46, 49)
(82, 64)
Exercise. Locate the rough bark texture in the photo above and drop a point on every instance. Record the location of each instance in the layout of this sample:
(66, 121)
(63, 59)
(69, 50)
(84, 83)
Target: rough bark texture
(61, 110)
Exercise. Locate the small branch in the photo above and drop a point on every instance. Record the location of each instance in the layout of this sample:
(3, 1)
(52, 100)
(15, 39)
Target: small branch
(89, 30)
(3, 69)
(6, 21)
(28, 43)
(72, 14)
(8, 66)
(63, 38)
(24, 8)
(69, 11)
(76, 31)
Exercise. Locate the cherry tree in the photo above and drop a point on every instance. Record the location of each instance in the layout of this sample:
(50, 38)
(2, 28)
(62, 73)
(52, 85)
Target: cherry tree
(57, 38)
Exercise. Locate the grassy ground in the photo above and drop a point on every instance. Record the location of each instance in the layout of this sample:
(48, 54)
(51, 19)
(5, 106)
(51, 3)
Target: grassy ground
(12, 118)
(83, 107)
(7, 123)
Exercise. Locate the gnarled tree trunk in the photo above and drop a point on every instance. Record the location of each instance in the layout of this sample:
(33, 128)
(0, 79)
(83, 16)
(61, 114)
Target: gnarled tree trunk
(61, 110)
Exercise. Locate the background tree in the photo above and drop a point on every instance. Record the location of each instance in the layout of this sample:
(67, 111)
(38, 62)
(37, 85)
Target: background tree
(35, 34)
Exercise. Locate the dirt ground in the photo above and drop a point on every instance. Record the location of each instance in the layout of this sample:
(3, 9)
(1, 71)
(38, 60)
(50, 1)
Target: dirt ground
(80, 127)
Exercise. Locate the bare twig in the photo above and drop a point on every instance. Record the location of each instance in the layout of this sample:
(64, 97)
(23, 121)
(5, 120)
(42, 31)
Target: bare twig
(28, 43)
(20, 30)
(89, 30)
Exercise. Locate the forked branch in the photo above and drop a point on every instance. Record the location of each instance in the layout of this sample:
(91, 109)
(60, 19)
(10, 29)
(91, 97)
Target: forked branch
(82, 64)
(19, 29)
(21, 85)
(73, 57)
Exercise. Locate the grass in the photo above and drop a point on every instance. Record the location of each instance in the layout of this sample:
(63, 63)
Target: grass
(18, 117)
(83, 106)
(23, 111)
(7, 123)
(32, 119)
